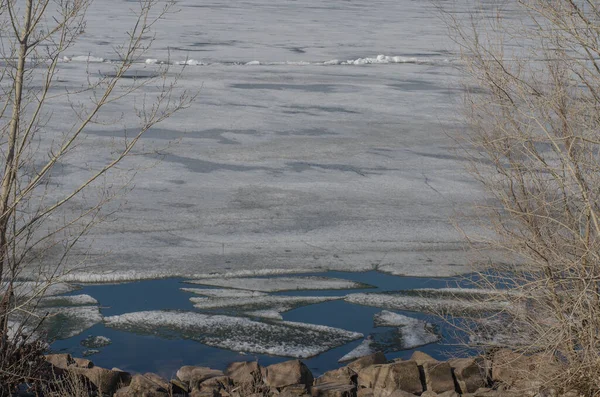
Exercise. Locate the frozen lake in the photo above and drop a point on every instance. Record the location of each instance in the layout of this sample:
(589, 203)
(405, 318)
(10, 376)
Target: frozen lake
(304, 149)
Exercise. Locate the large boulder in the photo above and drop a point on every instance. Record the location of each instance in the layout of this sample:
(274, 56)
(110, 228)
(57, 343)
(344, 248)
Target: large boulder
(288, 373)
(420, 358)
(106, 381)
(147, 385)
(193, 375)
(402, 375)
(62, 361)
(343, 375)
(83, 362)
(333, 389)
(244, 372)
(438, 376)
(468, 373)
(366, 361)
(217, 383)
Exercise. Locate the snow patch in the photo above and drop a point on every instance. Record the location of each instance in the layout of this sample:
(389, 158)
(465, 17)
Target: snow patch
(85, 58)
(235, 333)
(190, 62)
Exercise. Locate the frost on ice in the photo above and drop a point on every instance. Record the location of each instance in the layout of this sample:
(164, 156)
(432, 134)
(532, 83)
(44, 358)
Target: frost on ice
(283, 338)
(280, 283)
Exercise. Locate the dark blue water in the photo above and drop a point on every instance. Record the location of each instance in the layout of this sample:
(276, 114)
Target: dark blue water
(142, 353)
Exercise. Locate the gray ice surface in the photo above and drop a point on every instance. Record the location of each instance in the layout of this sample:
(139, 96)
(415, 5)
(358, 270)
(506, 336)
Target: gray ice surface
(284, 166)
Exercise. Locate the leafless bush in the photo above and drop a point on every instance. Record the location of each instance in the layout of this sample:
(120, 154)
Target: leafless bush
(40, 221)
(534, 136)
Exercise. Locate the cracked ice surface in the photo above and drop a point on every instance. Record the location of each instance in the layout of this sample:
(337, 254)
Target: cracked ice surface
(274, 284)
(283, 338)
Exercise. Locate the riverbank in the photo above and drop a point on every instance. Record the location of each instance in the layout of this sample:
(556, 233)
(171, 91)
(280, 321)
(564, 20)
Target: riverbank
(501, 374)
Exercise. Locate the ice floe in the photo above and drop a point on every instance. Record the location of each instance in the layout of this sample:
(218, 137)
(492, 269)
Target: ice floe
(413, 332)
(364, 349)
(281, 283)
(94, 342)
(23, 289)
(72, 300)
(273, 314)
(223, 293)
(66, 322)
(280, 303)
(288, 339)
(400, 301)
(84, 58)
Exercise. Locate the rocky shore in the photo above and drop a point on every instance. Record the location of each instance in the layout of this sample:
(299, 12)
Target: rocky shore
(501, 374)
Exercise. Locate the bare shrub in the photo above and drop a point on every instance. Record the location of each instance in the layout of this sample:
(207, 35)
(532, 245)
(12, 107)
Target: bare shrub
(41, 217)
(533, 111)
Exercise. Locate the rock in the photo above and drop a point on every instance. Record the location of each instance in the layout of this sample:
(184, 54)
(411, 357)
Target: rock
(105, 380)
(62, 361)
(343, 375)
(244, 372)
(447, 394)
(216, 383)
(363, 362)
(204, 393)
(428, 393)
(288, 373)
(193, 375)
(332, 389)
(420, 358)
(468, 373)
(179, 387)
(485, 392)
(148, 385)
(438, 376)
(400, 375)
(516, 371)
(83, 363)
(364, 392)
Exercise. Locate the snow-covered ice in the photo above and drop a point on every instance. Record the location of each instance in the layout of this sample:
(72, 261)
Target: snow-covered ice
(71, 300)
(273, 284)
(279, 303)
(66, 322)
(236, 333)
(399, 301)
(96, 341)
(223, 293)
(333, 153)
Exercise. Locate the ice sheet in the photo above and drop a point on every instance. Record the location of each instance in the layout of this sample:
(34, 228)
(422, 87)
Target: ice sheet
(223, 293)
(279, 303)
(239, 334)
(422, 304)
(66, 322)
(413, 332)
(274, 284)
(72, 300)
(364, 349)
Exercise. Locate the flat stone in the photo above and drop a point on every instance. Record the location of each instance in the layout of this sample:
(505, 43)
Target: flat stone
(148, 385)
(288, 373)
(83, 363)
(217, 383)
(396, 376)
(363, 362)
